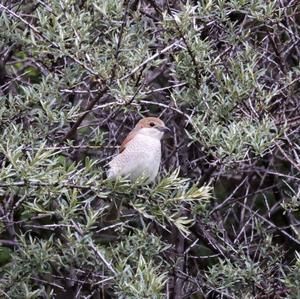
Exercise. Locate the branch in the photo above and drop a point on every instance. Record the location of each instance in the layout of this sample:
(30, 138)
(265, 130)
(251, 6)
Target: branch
(70, 134)
(54, 45)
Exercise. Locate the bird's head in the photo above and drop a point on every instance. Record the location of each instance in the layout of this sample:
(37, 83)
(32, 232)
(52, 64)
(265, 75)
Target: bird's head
(148, 126)
(151, 126)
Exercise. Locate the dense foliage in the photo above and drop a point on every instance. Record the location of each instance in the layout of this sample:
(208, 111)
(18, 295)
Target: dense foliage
(222, 219)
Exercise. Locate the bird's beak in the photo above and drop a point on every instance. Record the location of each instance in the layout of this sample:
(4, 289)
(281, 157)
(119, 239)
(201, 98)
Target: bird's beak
(163, 129)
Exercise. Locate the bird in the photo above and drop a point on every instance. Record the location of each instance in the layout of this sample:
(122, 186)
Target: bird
(140, 152)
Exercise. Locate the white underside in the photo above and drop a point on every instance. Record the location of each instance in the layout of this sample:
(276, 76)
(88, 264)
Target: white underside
(140, 159)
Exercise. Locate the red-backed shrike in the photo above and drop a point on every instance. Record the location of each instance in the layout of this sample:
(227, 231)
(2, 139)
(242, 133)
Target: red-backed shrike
(140, 152)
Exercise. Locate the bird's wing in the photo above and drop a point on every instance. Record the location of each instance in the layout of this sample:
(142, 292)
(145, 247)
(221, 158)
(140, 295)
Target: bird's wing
(129, 137)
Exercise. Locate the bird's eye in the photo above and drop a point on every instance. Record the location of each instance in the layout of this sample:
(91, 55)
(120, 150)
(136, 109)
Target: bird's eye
(152, 124)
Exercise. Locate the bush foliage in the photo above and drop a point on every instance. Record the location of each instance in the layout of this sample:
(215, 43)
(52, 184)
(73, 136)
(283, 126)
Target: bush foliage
(222, 219)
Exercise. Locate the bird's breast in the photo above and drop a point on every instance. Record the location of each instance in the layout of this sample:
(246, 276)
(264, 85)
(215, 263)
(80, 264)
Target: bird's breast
(141, 157)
